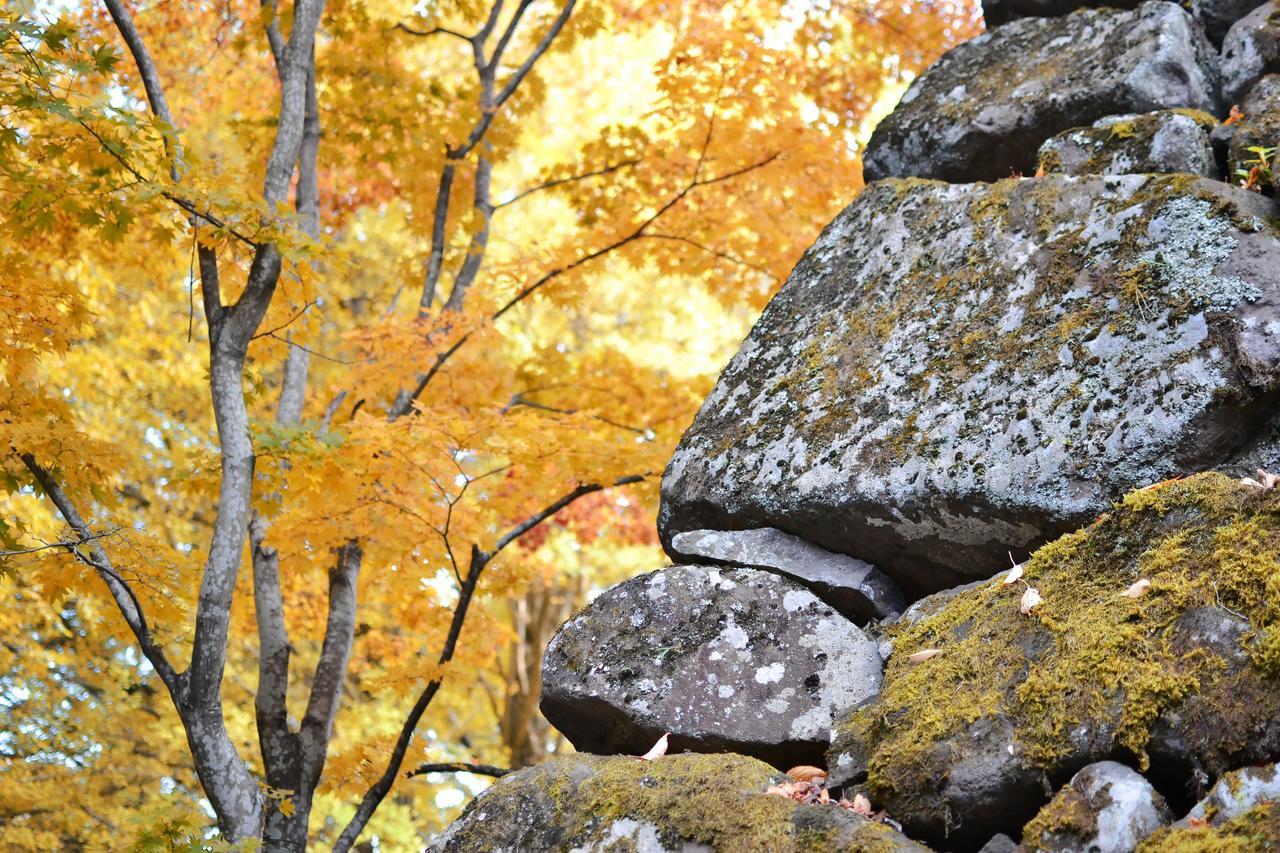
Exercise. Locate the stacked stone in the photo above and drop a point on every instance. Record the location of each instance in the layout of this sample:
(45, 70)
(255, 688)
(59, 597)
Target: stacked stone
(962, 371)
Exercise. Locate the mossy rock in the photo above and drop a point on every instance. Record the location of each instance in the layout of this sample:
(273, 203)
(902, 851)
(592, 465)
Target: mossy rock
(954, 371)
(674, 803)
(1180, 682)
(985, 107)
(1106, 807)
(1256, 830)
(1166, 142)
(1260, 129)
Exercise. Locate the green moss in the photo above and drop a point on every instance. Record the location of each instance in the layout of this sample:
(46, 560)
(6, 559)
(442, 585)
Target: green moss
(1256, 829)
(1069, 816)
(1091, 658)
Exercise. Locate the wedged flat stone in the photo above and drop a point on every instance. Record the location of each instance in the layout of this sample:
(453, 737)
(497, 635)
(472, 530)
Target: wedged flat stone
(1011, 704)
(674, 804)
(725, 659)
(983, 110)
(855, 588)
(1165, 142)
(1105, 807)
(1252, 50)
(956, 372)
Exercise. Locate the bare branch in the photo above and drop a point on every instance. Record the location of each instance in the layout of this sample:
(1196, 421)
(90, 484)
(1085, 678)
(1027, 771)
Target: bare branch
(479, 241)
(711, 251)
(457, 767)
(326, 686)
(562, 181)
(66, 544)
(434, 31)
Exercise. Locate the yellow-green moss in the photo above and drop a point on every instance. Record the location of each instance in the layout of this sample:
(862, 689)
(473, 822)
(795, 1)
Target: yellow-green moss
(1257, 829)
(1069, 815)
(1090, 656)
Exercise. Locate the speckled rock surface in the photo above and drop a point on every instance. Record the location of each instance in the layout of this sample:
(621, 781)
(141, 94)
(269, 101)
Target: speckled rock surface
(730, 659)
(1235, 794)
(1181, 681)
(985, 108)
(1217, 16)
(955, 372)
(997, 12)
(683, 803)
(1252, 49)
(856, 589)
(1106, 807)
(1166, 141)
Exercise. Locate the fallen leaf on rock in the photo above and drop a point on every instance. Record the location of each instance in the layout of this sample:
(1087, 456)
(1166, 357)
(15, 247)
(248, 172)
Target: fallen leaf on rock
(808, 773)
(801, 792)
(1015, 574)
(861, 805)
(1197, 822)
(1031, 599)
(1137, 589)
(658, 750)
(923, 655)
(1236, 115)
(1262, 480)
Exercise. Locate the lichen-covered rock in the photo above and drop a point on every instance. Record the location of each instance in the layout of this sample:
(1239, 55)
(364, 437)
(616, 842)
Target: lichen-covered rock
(997, 12)
(681, 803)
(1218, 16)
(955, 372)
(855, 588)
(730, 659)
(1257, 829)
(1166, 141)
(1252, 49)
(999, 843)
(1236, 793)
(1105, 808)
(984, 109)
(965, 743)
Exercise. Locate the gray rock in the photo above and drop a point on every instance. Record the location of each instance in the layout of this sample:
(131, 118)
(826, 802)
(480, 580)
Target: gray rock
(1107, 808)
(955, 372)
(1167, 141)
(973, 740)
(1217, 16)
(997, 12)
(685, 803)
(729, 659)
(1234, 794)
(856, 589)
(999, 843)
(1252, 49)
(984, 109)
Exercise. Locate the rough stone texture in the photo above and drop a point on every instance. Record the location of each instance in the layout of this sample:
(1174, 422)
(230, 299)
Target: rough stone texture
(984, 109)
(1235, 794)
(999, 843)
(680, 803)
(1182, 680)
(1218, 16)
(1252, 49)
(856, 589)
(1256, 830)
(724, 659)
(1166, 141)
(955, 372)
(997, 12)
(1107, 807)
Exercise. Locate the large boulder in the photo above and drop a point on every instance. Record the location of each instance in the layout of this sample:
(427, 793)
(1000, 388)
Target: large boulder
(1129, 655)
(1107, 807)
(682, 803)
(729, 659)
(955, 372)
(984, 109)
(1252, 49)
(856, 589)
(1258, 829)
(1218, 16)
(1166, 141)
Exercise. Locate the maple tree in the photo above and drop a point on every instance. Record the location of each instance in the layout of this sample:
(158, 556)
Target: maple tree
(401, 308)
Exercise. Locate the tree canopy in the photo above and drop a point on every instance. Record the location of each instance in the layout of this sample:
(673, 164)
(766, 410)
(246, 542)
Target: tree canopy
(399, 308)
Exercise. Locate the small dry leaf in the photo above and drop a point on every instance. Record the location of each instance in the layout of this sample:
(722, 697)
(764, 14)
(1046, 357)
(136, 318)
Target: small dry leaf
(1197, 822)
(658, 750)
(1015, 574)
(861, 805)
(824, 796)
(808, 773)
(1137, 588)
(1236, 115)
(922, 655)
(1030, 601)
(1261, 480)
